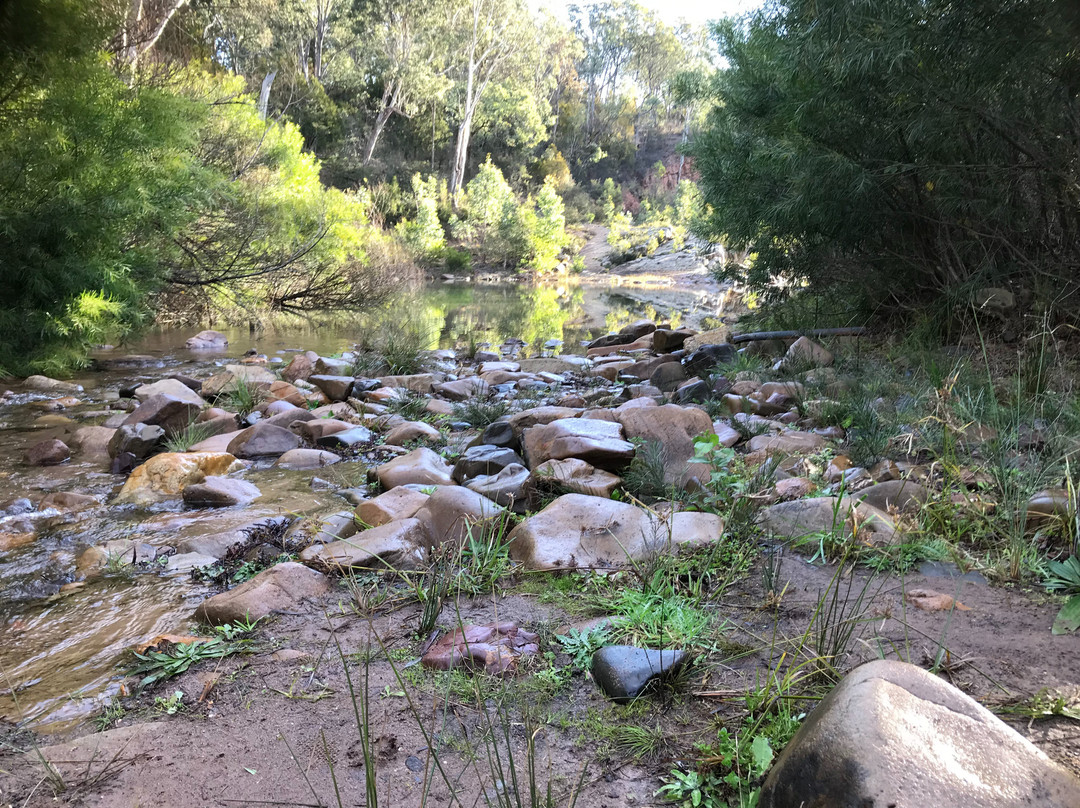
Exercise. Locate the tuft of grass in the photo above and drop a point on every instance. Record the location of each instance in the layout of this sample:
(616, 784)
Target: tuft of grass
(645, 477)
(241, 398)
(193, 433)
(479, 411)
(409, 405)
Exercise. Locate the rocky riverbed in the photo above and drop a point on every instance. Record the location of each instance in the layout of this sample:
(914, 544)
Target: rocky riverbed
(583, 559)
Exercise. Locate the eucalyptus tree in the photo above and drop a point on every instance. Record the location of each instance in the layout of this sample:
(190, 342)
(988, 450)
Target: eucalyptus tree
(488, 35)
(402, 47)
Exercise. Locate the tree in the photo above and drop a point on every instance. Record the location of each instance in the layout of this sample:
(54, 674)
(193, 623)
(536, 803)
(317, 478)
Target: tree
(402, 44)
(492, 33)
(906, 149)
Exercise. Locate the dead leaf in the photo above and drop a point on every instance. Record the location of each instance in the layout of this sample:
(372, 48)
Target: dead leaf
(930, 601)
(167, 639)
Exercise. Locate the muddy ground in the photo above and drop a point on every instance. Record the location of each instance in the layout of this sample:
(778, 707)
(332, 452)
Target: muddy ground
(278, 727)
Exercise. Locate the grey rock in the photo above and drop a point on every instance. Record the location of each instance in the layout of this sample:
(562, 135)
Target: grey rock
(219, 492)
(482, 460)
(336, 388)
(347, 438)
(668, 376)
(499, 433)
(894, 734)
(263, 440)
(623, 671)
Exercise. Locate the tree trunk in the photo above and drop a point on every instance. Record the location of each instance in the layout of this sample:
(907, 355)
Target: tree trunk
(385, 111)
(461, 147)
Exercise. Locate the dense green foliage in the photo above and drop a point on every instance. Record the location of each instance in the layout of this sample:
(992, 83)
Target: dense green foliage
(902, 148)
(169, 159)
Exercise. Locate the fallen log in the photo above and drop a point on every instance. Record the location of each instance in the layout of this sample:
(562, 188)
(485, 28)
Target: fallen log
(851, 331)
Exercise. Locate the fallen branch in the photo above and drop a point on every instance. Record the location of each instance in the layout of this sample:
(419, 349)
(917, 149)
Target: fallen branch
(851, 331)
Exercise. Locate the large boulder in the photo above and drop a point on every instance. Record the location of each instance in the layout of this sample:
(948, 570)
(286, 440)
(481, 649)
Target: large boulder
(283, 587)
(420, 466)
(597, 442)
(893, 734)
(220, 492)
(462, 389)
(707, 358)
(398, 545)
(170, 413)
(411, 431)
(578, 531)
(263, 440)
(804, 354)
(452, 513)
(173, 388)
(673, 427)
(397, 503)
(207, 341)
(806, 517)
(165, 476)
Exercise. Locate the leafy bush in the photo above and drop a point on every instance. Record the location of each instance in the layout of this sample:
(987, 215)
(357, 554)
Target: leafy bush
(828, 153)
(458, 261)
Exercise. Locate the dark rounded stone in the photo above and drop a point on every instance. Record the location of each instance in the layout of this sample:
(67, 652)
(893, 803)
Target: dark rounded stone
(483, 460)
(707, 357)
(499, 433)
(693, 393)
(623, 671)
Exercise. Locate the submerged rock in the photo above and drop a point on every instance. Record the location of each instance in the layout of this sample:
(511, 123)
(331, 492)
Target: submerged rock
(220, 492)
(893, 734)
(207, 340)
(48, 453)
(166, 475)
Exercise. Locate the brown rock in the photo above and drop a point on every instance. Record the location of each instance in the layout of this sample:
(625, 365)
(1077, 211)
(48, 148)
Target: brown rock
(398, 545)
(397, 503)
(576, 476)
(263, 440)
(421, 466)
(283, 587)
(453, 513)
(597, 442)
(48, 453)
(493, 649)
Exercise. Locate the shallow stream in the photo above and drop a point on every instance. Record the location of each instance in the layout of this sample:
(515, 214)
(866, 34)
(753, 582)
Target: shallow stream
(63, 635)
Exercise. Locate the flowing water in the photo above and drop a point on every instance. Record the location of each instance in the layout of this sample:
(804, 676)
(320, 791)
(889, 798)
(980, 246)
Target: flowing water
(65, 635)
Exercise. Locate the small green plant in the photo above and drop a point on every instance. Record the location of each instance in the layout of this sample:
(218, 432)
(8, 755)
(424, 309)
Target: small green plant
(193, 433)
(108, 718)
(481, 410)
(691, 789)
(484, 559)
(408, 404)
(646, 477)
(581, 645)
(237, 630)
(172, 660)
(402, 346)
(241, 398)
(170, 705)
